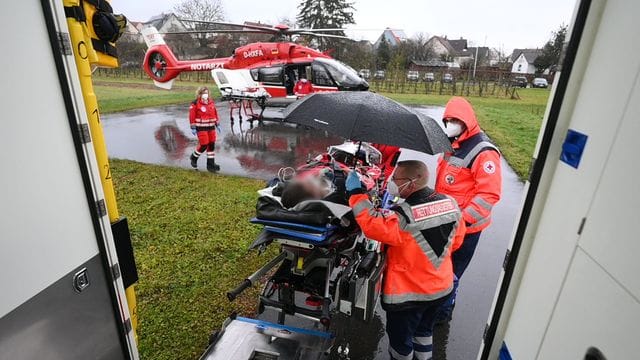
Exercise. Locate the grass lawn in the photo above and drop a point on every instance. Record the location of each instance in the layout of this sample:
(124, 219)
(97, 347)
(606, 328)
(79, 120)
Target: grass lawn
(513, 124)
(190, 233)
(125, 94)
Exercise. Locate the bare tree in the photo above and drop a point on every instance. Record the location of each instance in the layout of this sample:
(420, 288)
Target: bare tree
(200, 10)
(203, 10)
(183, 45)
(285, 20)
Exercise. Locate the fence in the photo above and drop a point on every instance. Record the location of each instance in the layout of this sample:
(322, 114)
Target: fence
(462, 88)
(483, 86)
(137, 73)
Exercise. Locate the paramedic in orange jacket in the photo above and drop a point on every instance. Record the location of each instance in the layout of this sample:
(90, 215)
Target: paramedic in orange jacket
(203, 117)
(471, 174)
(420, 234)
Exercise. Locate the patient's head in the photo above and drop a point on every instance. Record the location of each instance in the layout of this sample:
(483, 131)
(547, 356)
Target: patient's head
(294, 193)
(306, 188)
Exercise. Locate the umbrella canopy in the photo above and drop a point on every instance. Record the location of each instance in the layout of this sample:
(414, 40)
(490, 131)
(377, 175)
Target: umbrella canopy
(366, 116)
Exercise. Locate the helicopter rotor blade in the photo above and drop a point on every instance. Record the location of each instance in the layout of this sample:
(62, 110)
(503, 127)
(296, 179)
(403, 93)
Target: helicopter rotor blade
(230, 31)
(246, 26)
(315, 30)
(323, 35)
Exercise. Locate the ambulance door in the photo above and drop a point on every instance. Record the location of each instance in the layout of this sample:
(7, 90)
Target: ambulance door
(58, 298)
(599, 306)
(570, 285)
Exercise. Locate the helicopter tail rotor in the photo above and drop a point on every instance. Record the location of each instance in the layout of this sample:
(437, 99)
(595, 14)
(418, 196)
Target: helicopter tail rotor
(159, 62)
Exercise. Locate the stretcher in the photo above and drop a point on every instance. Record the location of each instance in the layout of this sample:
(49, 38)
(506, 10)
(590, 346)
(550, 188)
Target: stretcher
(241, 91)
(325, 266)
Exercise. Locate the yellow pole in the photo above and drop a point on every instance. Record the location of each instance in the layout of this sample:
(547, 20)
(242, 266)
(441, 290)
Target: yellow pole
(84, 53)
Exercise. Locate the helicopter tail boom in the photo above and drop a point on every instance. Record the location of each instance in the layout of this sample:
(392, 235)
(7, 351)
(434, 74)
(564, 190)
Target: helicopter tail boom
(163, 67)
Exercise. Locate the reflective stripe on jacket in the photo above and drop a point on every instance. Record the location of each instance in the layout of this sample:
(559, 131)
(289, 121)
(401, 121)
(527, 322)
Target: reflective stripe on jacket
(472, 173)
(203, 115)
(421, 234)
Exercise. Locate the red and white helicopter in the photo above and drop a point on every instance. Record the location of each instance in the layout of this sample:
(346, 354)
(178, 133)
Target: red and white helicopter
(261, 69)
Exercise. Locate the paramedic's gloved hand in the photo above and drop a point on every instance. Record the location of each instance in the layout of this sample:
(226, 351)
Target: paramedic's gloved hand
(194, 131)
(353, 184)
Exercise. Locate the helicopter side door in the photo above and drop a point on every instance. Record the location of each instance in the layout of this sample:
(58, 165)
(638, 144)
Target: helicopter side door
(271, 79)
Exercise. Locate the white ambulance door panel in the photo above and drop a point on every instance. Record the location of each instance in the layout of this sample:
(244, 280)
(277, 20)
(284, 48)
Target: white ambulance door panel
(610, 234)
(600, 105)
(593, 311)
(55, 299)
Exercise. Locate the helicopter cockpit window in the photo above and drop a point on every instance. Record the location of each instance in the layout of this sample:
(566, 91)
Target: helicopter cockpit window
(321, 76)
(270, 75)
(343, 75)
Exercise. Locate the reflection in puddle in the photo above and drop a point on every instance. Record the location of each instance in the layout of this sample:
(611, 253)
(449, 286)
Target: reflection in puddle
(172, 141)
(266, 148)
(163, 136)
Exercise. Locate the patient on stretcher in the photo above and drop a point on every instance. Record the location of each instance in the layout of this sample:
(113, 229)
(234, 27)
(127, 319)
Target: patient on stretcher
(314, 193)
(311, 188)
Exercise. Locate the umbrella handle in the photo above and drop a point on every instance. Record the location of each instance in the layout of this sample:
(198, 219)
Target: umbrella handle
(355, 157)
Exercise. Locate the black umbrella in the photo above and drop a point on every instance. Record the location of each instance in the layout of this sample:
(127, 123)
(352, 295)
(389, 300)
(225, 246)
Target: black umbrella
(366, 116)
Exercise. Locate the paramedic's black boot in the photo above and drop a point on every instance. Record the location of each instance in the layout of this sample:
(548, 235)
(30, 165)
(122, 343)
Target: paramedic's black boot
(211, 165)
(194, 161)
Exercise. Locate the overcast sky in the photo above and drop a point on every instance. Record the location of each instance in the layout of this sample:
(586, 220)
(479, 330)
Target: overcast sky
(505, 24)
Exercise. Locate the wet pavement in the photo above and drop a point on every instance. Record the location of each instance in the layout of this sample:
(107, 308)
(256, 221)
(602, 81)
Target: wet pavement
(162, 136)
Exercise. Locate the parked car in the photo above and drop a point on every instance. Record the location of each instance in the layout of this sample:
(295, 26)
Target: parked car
(364, 73)
(413, 75)
(429, 77)
(447, 78)
(519, 81)
(540, 83)
(379, 75)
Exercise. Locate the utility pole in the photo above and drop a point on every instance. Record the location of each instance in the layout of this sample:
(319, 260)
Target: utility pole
(475, 59)
(475, 63)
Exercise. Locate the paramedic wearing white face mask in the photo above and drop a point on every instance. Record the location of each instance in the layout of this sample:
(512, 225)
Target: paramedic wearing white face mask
(420, 234)
(203, 117)
(471, 175)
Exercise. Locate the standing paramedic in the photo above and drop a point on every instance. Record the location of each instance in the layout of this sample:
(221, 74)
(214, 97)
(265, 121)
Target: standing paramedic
(203, 118)
(471, 175)
(420, 234)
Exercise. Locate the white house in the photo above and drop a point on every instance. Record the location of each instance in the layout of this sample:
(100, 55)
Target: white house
(523, 61)
(166, 23)
(441, 48)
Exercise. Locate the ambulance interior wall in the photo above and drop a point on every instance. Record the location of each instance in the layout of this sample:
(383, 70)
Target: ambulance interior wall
(581, 289)
(47, 233)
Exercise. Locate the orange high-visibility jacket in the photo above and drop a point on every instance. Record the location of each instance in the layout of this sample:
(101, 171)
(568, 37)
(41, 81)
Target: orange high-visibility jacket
(421, 234)
(471, 174)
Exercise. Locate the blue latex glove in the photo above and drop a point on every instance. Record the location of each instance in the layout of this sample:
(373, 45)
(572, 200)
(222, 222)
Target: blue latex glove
(194, 131)
(353, 181)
